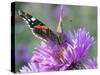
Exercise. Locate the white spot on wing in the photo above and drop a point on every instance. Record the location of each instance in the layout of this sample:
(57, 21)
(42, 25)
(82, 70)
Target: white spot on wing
(33, 19)
(25, 20)
(29, 20)
(32, 23)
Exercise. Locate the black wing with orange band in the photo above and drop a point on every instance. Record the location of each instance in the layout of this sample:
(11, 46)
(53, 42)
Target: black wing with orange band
(38, 28)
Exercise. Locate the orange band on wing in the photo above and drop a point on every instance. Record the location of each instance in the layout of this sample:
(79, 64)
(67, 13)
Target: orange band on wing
(41, 27)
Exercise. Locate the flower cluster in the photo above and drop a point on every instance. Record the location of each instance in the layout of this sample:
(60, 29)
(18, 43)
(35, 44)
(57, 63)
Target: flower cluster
(71, 54)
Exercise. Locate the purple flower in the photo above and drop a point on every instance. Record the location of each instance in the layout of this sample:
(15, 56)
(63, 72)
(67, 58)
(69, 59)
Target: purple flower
(77, 51)
(91, 64)
(32, 67)
(71, 54)
(52, 58)
(22, 55)
(46, 58)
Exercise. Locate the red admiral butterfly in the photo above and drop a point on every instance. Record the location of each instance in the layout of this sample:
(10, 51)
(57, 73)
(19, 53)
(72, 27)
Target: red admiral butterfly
(39, 29)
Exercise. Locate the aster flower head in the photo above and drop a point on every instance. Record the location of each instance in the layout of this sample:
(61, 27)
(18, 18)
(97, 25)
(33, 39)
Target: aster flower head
(77, 51)
(73, 55)
(49, 59)
(80, 44)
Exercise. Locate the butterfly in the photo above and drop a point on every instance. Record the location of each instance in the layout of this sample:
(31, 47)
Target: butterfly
(39, 29)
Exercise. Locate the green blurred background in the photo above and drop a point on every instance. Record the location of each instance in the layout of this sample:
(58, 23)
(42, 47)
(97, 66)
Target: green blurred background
(74, 17)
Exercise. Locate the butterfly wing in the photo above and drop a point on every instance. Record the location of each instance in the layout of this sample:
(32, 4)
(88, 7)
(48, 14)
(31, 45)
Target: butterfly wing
(39, 29)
